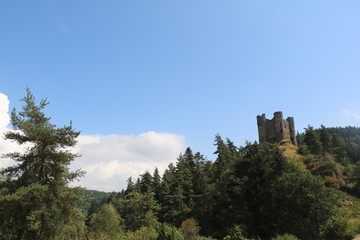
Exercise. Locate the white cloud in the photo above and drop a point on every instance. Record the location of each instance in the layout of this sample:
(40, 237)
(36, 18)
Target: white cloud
(4, 109)
(109, 160)
(351, 114)
(5, 145)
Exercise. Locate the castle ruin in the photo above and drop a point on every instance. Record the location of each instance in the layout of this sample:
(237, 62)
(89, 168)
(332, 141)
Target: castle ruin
(276, 129)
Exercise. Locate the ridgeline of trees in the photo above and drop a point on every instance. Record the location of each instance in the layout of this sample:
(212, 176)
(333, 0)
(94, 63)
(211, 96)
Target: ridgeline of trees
(248, 192)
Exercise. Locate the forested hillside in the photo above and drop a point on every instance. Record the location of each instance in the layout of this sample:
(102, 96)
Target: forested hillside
(256, 191)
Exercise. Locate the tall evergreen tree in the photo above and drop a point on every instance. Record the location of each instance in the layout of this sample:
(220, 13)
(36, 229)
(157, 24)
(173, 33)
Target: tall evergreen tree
(139, 210)
(203, 198)
(130, 186)
(326, 140)
(251, 198)
(172, 198)
(338, 146)
(146, 182)
(223, 172)
(156, 184)
(311, 139)
(35, 201)
(184, 176)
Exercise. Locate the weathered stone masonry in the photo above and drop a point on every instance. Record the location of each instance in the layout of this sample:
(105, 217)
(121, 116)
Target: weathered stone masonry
(276, 129)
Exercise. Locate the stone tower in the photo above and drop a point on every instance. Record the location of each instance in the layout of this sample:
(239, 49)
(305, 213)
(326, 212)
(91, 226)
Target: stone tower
(276, 129)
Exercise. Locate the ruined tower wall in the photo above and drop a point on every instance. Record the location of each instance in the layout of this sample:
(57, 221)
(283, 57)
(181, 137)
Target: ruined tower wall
(270, 131)
(261, 122)
(279, 125)
(276, 129)
(291, 122)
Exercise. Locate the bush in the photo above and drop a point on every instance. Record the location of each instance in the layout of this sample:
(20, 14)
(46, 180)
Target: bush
(337, 228)
(303, 204)
(144, 233)
(107, 222)
(303, 149)
(236, 233)
(169, 232)
(190, 228)
(285, 236)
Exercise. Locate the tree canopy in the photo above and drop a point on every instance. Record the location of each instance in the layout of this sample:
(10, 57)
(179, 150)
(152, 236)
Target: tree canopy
(35, 201)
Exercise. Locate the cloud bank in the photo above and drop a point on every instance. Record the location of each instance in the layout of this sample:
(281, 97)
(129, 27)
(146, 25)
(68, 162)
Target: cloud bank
(6, 146)
(109, 160)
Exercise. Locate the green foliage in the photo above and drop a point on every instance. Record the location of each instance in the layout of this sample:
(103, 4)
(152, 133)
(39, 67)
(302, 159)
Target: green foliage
(190, 229)
(146, 183)
(139, 210)
(285, 236)
(107, 222)
(223, 169)
(337, 228)
(255, 172)
(327, 167)
(35, 201)
(303, 149)
(143, 233)
(326, 140)
(344, 143)
(75, 227)
(356, 178)
(184, 189)
(169, 232)
(303, 204)
(235, 233)
(312, 141)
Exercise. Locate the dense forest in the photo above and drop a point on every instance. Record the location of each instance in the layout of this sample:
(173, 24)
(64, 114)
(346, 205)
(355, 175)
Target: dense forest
(257, 191)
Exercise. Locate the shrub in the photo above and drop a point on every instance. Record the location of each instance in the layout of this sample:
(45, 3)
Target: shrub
(169, 232)
(236, 233)
(285, 236)
(303, 204)
(337, 228)
(144, 233)
(190, 228)
(107, 222)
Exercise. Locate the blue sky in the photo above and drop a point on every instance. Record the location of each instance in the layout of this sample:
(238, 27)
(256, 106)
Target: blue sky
(187, 68)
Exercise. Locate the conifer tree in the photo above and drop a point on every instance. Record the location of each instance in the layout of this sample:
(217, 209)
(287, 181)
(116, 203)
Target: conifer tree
(35, 200)
(312, 140)
(223, 171)
(338, 146)
(326, 139)
(146, 183)
(184, 176)
(156, 184)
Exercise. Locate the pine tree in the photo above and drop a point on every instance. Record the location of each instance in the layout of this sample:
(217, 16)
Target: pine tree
(130, 186)
(325, 139)
(223, 171)
(184, 175)
(338, 147)
(312, 140)
(35, 200)
(203, 200)
(156, 184)
(250, 193)
(146, 183)
(139, 210)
